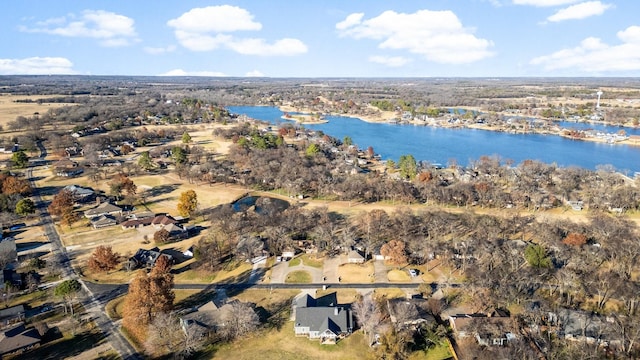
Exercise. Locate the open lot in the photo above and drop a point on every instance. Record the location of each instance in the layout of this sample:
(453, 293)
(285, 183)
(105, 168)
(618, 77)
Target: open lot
(10, 109)
(356, 273)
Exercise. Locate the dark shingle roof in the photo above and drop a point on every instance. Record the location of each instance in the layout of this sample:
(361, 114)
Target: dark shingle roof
(17, 337)
(336, 319)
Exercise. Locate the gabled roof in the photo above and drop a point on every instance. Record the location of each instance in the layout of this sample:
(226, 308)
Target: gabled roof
(12, 312)
(104, 208)
(17, 337)
(103, 220)
(173, 228)
(78, 191)
(353, 254)
(163, 220)
(336, 319)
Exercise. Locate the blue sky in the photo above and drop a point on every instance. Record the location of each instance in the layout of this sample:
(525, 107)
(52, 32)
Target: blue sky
(332, 38)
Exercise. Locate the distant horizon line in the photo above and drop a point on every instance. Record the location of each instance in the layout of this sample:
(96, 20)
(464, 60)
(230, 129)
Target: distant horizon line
(323, 77)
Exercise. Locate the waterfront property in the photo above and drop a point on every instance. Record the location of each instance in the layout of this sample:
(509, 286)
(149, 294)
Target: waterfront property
(441, 145)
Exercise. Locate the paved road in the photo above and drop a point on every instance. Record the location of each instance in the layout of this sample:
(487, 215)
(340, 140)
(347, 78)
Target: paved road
(106, 292)
(92, 305)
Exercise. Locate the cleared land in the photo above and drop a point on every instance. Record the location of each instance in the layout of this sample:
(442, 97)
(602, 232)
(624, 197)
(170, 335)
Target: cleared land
(356, 273)
(10, 109)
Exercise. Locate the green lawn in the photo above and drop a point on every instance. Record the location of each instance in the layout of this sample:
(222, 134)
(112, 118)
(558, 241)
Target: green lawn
(298, 277)
(440, 352)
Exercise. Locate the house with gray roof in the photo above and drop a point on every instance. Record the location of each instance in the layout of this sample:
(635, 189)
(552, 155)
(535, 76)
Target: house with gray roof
(79, 193)
(210, 318)
(103, 209)
(322, 318)
(18, 338)
(12, 315)
(103, 221)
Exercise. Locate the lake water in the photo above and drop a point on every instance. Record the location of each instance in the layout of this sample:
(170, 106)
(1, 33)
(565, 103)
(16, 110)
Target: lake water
(440, 145)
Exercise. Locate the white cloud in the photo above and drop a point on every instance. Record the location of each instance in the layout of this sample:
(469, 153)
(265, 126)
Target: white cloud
(36, 66)
(180, 72)
(391, 61)
(439, 36)
(283, 47)
(580, 11)
(594, 56)
(351, 20)
(110, 28)
(224, 18)
(544, 3)
(254, 73)
(159, 50)
(208, 28)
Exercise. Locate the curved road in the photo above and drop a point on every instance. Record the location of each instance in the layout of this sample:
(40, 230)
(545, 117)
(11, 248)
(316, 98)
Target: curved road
(94, 307)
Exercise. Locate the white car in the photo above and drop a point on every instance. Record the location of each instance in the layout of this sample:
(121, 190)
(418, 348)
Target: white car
(413, 272)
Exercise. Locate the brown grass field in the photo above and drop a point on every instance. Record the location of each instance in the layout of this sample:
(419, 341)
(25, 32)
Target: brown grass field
(396, 275)
(356, 273)
(9, 109)
(281, 344)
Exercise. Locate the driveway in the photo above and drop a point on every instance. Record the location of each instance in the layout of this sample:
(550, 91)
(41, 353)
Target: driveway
(330, 269)
(280, 271)
(381, 271)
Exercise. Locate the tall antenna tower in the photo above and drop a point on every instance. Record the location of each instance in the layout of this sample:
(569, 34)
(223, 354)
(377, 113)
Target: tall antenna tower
(599, 93)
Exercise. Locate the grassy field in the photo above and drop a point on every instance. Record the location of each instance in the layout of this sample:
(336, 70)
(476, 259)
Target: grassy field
(356, 273)
(283, 345)
(344, 296)
(396, 275)
(390, 293)
(298, 277)
(114, 307)
(440, 352)
(9, 109)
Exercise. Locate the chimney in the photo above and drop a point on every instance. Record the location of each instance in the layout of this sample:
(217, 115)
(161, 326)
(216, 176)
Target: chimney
(336, 310)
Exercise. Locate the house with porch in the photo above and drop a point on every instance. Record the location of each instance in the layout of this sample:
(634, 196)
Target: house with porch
(323, 318)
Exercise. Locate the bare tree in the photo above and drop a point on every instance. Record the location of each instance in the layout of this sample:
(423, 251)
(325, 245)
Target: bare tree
(368, 315)
(238, 320)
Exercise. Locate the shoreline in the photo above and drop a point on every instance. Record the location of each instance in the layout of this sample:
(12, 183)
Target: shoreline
(386, 116)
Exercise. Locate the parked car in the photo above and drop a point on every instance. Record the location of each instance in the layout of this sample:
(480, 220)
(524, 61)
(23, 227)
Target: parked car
(413, 272)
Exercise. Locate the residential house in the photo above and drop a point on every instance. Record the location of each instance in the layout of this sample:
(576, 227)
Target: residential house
(80, 194)
(104, 208)
(158, 221)
(8, 246)
(69, 172)
(583, 326)
(12, 315)
(146, 258)
(74, 151)
(322, 318)
(409, 312)
(207, 319)
(176, 231)
(103, 221)
(17, 339)
(487, 330)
